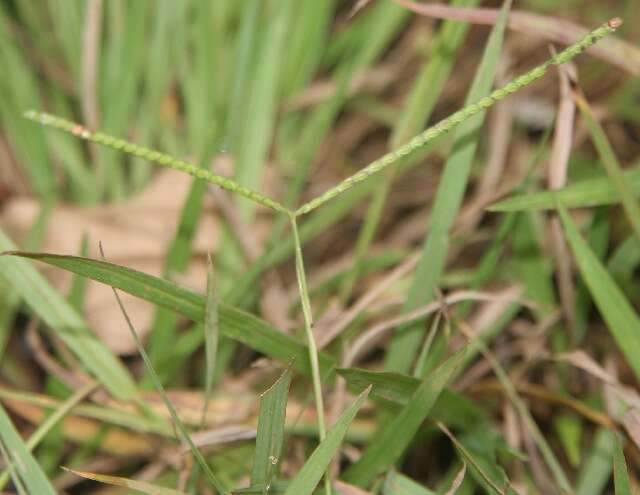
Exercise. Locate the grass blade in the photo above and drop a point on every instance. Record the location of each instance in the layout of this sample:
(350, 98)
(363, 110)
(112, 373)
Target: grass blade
(215, 482)
(621, 319)
(398, 484)
(389, 444)
(610, 163)
(309, 476)
(22, 462)
(587, 193)
(448, 199)
(270, 436)
(234, 323)
(52, 420)
(61, 318)
(620, 471)
(139, 486)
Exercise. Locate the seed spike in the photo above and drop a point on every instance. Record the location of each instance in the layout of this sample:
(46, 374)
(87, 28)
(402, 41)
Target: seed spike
(460, 116)
(153, 157)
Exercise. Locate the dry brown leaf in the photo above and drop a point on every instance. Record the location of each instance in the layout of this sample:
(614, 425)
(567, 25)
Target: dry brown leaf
(582, 360)
(618, 52)
(135, 233)
(457, 481)
(115, 441)
(343, 488)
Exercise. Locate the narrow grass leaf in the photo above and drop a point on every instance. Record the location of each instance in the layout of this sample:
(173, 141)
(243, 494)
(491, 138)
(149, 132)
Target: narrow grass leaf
(610, 163)
(309, 476)
(270, 434)
(394, 438)
(451, 408)
(618, 313)
(596, 470)
(51, 421)
(620, 470)
(197, 455)
(164, 328)
(398, 484)
(586, 193)
(234, 323)
(448, 199)
(21, 460)
(63, 319)
(139, 486)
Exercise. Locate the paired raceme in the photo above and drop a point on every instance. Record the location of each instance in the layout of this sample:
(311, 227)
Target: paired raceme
(373, 168)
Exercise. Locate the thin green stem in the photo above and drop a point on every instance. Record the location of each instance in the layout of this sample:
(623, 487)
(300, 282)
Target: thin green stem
(311, 341)
(460, 116)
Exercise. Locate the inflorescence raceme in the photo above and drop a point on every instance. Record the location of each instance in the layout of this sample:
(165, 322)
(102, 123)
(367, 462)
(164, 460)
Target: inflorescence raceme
(378, 165)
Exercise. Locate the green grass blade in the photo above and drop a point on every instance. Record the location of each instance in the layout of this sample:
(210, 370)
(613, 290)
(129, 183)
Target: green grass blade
(197, 455)
(620, 470)
(621, 319)
(234, 323)
(416, 112)
(257, 129)
(61, 318)
(52, 420)
(453, 183)
(22, 462)
(164, 327)
(611, 164)
(398, 484)
(394, 438)
(309, 476)
(138, 486)
(270, 436)
(586, 193)
(396, 390)
(596, 470)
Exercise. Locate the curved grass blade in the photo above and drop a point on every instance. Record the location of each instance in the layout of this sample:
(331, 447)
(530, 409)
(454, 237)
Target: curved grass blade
(182, 430)
(154, 157)
(20, 459)
(587, 193)
(399, 484)
(462, 115)
(389, 444)
(610, 163)
(234, 323)
(139, 486)
(52, 420)
(309, 476)
(447, 202)
(270, 433)
(620, 471)
(618, 313)
(63, 319)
